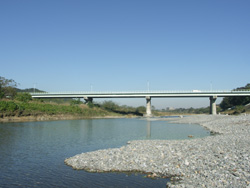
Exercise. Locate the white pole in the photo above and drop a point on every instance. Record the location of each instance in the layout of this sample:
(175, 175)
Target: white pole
(34, 88)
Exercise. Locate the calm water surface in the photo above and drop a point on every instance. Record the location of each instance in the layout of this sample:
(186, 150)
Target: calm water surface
(32, 154)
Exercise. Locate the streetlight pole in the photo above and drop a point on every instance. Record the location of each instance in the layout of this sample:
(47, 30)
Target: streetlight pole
(34, 88)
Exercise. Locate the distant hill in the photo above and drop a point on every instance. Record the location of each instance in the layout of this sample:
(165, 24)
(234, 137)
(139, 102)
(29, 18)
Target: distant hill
(58, 101)
(29, 90)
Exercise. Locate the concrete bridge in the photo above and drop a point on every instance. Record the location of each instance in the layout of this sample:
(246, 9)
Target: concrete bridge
(88, 96)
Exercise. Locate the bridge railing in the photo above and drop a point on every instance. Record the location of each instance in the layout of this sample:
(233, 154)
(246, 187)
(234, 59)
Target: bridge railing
(141, 92)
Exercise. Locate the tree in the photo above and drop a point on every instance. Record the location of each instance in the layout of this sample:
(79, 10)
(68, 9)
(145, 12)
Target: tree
(153, 108)
(225, 103)
(7, 88)
(75, 102)
(23, 97)
(229, 102)
(141, 109)
(110, 105)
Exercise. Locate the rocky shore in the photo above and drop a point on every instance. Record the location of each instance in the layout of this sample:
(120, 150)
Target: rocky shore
(222, 160)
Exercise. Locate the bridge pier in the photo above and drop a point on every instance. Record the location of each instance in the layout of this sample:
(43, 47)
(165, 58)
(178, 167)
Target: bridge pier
(88, 99)
(148, 106)
(213, 105)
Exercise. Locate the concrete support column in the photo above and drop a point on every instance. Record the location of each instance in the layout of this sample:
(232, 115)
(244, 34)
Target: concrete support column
(88, 99)
(213, 105)
(148, 106)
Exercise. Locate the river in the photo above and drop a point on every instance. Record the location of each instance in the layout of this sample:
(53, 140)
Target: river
(32, 153)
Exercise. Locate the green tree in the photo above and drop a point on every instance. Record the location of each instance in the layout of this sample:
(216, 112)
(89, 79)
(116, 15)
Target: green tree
(141, 109)
(110, 105)
(7, 88)
(8, 106)
(239, 109)
(75, 102)
(23, 97)
(225, 103)
(229, 102)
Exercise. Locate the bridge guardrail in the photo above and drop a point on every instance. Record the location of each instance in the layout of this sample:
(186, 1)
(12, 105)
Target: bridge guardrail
(141, 92)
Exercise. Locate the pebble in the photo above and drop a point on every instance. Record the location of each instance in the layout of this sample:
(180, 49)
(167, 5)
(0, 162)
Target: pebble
(221, 160)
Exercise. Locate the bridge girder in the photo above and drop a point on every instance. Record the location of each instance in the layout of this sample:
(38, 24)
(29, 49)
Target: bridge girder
(88, 96)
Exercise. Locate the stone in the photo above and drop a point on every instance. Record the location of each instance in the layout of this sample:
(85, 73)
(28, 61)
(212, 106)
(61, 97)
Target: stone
(221, 160)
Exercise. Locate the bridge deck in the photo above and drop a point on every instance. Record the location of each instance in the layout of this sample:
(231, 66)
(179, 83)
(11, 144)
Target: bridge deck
(140, 94)
(88, 96)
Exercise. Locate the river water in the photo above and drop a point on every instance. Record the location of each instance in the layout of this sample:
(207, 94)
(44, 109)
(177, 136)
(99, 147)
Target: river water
(32, 153)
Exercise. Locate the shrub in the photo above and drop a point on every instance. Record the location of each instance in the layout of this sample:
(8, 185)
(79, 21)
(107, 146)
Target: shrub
(90, 105)
(3, 106)
(239, 109)
(75, 102)
(23, 97)
(109, 105)
(9, 106)
(12, 106)
(141, 109)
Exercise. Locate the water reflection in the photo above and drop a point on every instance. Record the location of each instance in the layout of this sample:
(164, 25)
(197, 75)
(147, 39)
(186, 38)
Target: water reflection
(148, 129)
(34, 152)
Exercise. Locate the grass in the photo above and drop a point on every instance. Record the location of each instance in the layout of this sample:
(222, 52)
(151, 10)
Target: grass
(16, 108)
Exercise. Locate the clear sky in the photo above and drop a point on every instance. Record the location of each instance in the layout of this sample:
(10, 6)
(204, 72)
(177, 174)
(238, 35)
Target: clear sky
(122, 45)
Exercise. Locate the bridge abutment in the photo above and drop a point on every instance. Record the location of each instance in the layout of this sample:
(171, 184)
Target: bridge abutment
(148, 106)
(213, 105)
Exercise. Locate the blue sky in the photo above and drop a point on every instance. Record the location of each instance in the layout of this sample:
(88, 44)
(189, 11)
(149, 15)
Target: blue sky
(115, 45)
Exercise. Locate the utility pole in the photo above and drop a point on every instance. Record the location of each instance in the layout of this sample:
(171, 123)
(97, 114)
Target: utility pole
(34, 88)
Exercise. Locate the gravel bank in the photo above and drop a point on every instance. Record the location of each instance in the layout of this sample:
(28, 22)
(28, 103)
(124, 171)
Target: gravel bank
(222, 160)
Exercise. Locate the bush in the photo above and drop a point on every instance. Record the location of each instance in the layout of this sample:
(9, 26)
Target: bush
(110, 105)
(12, 106)
(1, 94)
(239, 109)
(3, 106)
(141, 109)
(9, 106)
(75, 102)
(90, 104)
(7, 88)
(23, 97)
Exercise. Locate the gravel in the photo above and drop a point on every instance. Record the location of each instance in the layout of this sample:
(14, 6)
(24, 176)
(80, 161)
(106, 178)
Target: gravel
(222, 160)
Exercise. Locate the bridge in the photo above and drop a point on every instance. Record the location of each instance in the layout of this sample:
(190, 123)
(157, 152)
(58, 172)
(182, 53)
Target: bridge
(89, 96)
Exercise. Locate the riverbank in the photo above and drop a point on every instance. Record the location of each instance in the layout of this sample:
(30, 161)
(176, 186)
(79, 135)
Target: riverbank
(222, 160)
(58, 117)
(16, 111)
